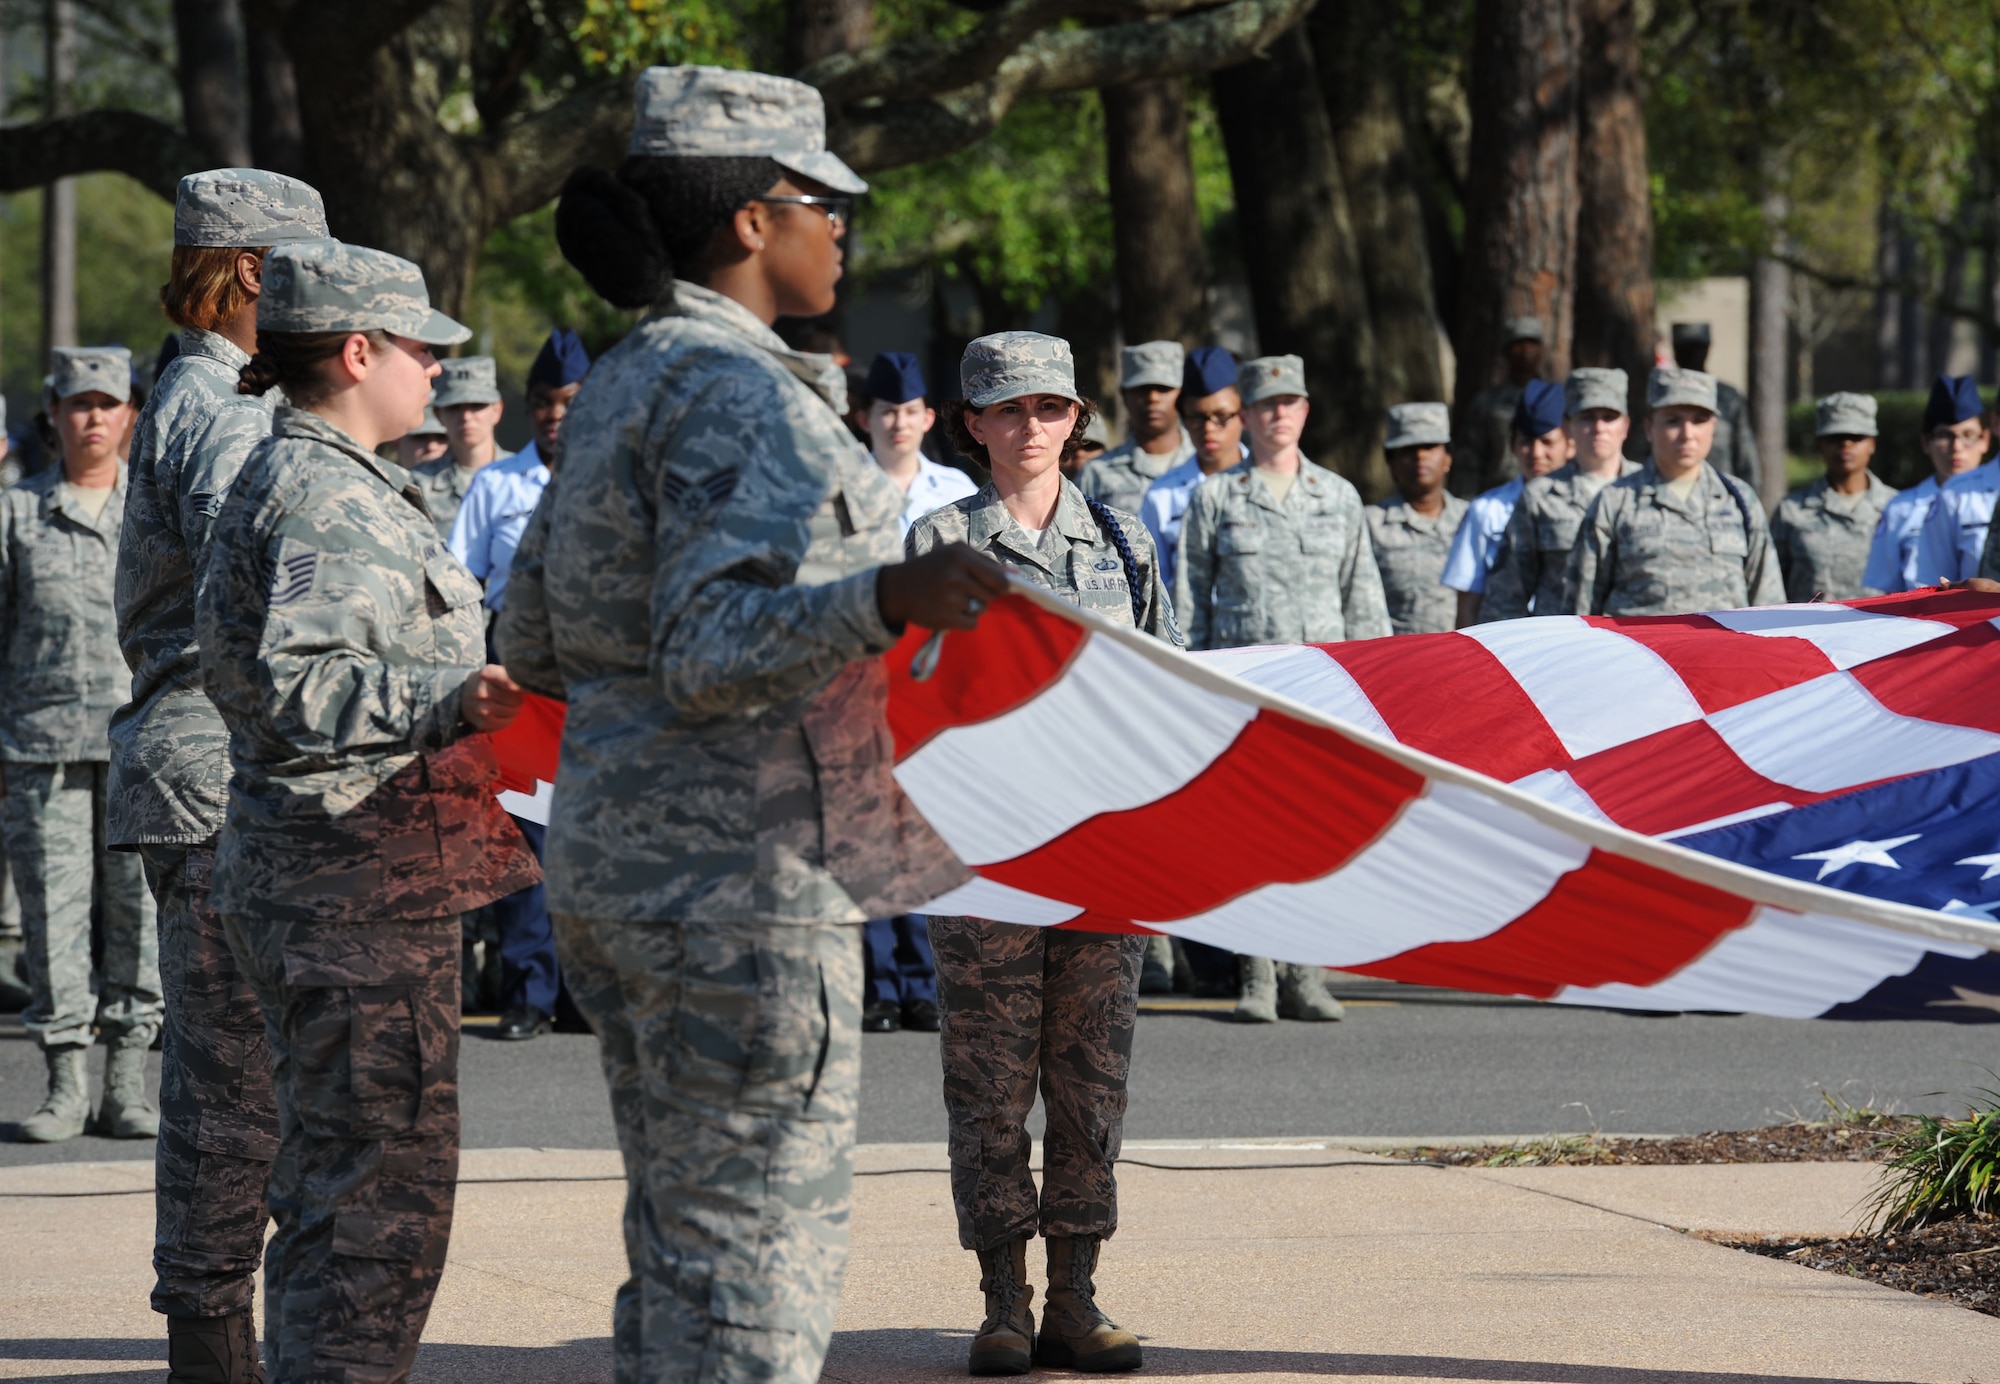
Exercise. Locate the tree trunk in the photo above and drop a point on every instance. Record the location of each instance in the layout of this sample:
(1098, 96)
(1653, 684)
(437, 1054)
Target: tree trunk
(59, 199)
(1888, 303)
(1155, 224)
(1358, 56)
(1615, 308)
(208, 37)
(815, 29)
(1521, 196)
(1305, 272)
(277, 139)
(1770, 290)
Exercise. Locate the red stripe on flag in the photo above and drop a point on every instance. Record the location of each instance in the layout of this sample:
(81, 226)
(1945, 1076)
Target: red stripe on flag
(1959, 608)
(1018, 650)
(1448, 696)
(1285, 802)
(1676, 778)
(1949, 679)
(1612, 921)
(529, 749)
(1720, 667)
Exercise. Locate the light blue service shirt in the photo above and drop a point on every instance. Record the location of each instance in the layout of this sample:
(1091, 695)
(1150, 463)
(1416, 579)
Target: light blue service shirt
(934, 487)
(493, 515)
(1954, 533)
(1477, 545)
(1892, 556)
(1164, 507)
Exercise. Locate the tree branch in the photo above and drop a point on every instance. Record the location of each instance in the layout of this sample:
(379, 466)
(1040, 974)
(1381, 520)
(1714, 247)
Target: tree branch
(911, 130)
(1914, 289)
(349, 31)
(149, 151)
(525, 167)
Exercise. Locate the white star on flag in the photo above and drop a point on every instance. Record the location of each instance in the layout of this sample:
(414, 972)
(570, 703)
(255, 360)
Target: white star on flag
(1857, 853)
(1991, 862)
(1972, 910)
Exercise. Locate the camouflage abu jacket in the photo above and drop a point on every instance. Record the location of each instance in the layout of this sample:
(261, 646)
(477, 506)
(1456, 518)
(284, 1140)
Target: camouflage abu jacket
(60, 673)
(699, 584)
(1254, 571)
(444, 484)
(1527, 576)
(169, 748)
(336, 631)
(1642, 550)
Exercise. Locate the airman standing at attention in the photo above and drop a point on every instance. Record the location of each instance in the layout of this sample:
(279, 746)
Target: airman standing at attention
(1212, 412)
(1533, 555)
(1412, 530)
(1155, 443)
(1487, 457)
(899, 418)
(468, 403)
(170, 771)
(1954, 438)
(61, 677)
(1676, 537)
(1540, 444)
(1822, 532)
(1735, 449)
(1277, 552)
(1954, 533)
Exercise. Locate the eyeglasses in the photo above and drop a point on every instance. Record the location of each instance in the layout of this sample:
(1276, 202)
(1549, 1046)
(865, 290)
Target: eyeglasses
(837, 209)
(1212, 420)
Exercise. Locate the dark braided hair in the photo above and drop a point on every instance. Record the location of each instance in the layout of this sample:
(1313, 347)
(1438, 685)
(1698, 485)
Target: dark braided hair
(1107, 520)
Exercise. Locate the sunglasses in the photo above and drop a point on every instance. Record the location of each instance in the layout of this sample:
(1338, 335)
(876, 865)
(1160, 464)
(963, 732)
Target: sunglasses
(837, 209)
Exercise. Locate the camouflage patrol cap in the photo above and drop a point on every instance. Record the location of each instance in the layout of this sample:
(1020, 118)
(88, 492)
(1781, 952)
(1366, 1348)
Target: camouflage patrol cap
(1595, 386)
(430, 427)
(1844, 415)
(1671, 384)
(1417, 425)
(718, 112)
(1268, 377)
(1007, 365)
(90, 370)
(466, 380)
(329, 286)
(1527, 328)
(1154, 363)
(246, 207)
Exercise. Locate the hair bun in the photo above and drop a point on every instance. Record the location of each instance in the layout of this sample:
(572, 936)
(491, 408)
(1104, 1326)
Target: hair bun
(606, 231)
(257, 376)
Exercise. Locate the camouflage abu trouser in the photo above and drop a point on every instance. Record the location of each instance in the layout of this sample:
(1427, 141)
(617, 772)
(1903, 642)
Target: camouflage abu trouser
(363, 1025)
(733, 1055)
(1017, 1004)
(218, 1109)
(53, 819)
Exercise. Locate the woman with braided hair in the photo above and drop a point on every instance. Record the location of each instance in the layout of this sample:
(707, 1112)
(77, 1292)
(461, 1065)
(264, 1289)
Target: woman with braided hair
(1023, 1006)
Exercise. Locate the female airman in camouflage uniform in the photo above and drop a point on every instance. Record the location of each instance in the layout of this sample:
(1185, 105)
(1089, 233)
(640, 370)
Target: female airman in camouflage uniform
(1022, 1002)
(344, 647)
(704, 582)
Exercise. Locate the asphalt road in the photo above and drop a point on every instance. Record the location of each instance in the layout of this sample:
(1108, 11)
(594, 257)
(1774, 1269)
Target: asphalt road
(1390, 1069)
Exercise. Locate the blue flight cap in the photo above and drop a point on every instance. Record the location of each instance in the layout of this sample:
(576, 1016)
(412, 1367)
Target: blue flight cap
(1954, 398)
(896, 377)
(1540, 411)
(1207, 370)
(561, 362)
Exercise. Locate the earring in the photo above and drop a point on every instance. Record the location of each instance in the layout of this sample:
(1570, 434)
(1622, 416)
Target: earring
(760, 245)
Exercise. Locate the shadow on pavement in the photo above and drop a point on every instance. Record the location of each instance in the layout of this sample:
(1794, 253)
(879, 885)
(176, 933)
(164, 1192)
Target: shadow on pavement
(918, 1353)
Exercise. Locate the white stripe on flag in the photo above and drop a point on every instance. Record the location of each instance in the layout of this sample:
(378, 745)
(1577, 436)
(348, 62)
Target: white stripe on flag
(1594, 687)
(1792, 965)
(1305, 674)
(1456, 865)
(1846, 636)
(1002, 903)
(1789, 737)
(1111, 733)
(1557, 787)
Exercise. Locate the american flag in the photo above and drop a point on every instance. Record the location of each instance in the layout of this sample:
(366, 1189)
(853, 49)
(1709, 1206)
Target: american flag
(1788, 810)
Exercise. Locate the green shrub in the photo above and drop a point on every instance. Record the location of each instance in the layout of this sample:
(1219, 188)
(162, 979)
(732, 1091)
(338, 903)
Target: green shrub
(1942, 1169)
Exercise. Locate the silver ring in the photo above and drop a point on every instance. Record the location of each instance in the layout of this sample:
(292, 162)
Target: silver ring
(974, 606)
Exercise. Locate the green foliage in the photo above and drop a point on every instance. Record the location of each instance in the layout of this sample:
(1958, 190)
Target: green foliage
(1943, 1169)
(621, 36)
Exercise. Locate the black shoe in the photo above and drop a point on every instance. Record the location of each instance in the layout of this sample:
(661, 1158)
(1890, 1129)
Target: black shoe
(881, 1016)
(522, 1021)
(920, 1016)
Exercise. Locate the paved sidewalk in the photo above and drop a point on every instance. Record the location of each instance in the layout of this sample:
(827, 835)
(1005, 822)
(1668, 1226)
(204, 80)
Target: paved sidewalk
(1237, 1261)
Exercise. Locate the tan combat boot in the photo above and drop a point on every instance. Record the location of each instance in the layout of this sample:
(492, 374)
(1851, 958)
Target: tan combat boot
(67, 1105)
(1259, 1001)
(1302, 994)
(1074, 1332)
(125, 1113)
(1007, 1338)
